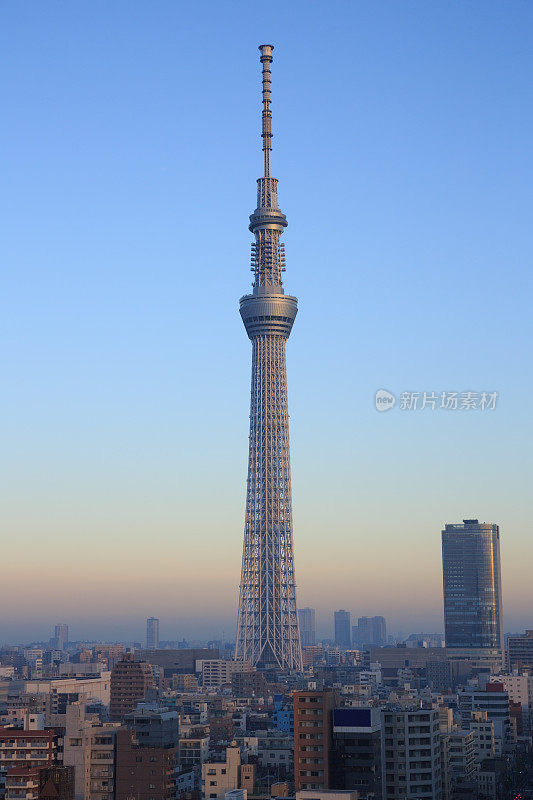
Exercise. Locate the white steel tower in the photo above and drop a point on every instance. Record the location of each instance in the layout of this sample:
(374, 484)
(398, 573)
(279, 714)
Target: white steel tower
(267, 629)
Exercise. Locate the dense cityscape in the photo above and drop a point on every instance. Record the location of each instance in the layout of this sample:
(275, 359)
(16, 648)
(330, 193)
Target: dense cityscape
(278, 711)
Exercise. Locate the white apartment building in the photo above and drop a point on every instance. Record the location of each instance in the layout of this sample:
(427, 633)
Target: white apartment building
(411, 753)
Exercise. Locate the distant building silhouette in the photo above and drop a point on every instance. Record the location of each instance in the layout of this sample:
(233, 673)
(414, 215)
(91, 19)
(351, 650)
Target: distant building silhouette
(60, 636)
(306, 617)
(371, 632)
(342, 628)
(152, 633)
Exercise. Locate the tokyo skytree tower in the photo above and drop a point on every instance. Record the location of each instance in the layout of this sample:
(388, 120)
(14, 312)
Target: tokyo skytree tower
(267, 630)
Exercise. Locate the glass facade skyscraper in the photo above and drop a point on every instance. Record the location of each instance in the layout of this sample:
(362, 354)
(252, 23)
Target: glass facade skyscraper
(472, 586)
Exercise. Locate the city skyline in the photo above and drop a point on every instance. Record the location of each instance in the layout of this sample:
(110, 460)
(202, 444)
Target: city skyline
(420, 157)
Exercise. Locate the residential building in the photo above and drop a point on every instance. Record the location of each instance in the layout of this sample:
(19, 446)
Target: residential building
(221, 777)
(248, 684)
(185, 683)
(411, 765)
(54, 782)
(193, 751)
(27, 748)
(218, 672)
(458, 757)
(89, 748)
(130, 683)
(495, 701)
(144, 772)
(312, 654)
(483, 729)
(313, 738)
(519, 687)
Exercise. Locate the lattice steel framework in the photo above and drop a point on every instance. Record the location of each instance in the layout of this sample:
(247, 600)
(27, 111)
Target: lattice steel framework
(267, 630)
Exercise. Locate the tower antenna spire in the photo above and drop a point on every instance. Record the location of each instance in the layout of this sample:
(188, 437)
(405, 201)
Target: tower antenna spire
(266, 131)
(267, 625)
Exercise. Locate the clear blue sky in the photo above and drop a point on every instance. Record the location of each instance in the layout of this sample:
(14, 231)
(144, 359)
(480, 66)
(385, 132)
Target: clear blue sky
(130, 149)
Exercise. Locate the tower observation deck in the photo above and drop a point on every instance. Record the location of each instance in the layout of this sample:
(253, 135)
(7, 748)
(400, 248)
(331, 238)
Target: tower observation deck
(267, 628)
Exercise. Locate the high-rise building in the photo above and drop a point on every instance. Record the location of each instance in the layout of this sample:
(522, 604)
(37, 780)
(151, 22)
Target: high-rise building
(307, 626)
(343, 628)
(60, 636)
(371, 632)
(472, 590)
(130, 683)
(267, 627)
(152, 633)
(411, 753)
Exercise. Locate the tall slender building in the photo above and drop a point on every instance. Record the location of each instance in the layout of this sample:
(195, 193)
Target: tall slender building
(267, 628)
(152, 633)
(343, 631)
(472, 585)
(306, 618)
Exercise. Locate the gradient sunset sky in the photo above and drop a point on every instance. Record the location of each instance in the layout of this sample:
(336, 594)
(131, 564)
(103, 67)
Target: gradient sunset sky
(131, 147)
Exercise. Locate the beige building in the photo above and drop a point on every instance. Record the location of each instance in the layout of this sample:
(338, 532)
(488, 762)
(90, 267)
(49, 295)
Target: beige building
(221, 777)
(218, 672)
(89, 747)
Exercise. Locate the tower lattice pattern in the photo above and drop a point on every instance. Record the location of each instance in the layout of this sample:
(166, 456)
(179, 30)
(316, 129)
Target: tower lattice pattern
(267, 629)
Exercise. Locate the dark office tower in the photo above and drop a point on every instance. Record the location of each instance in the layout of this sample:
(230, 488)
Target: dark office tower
(472, 590)
(379, 631)
(130, 682)
(152, 633)
(356, 754)
(60, 636)
(267, 626)
(307, 626)
(343, 628)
